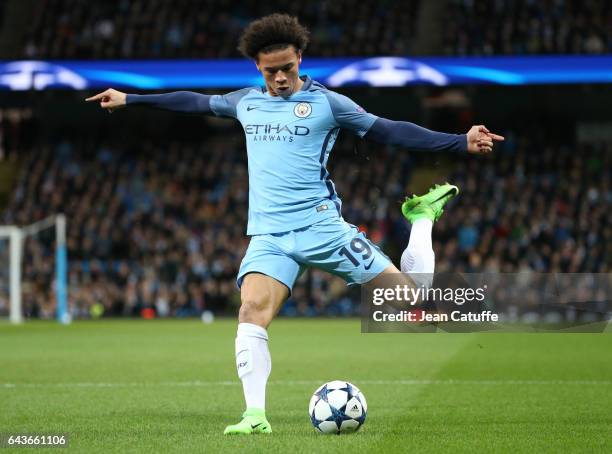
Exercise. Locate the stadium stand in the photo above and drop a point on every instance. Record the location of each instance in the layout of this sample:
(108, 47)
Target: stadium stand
(77, 29)
(65, 29)
(162, 226)
(517, 27)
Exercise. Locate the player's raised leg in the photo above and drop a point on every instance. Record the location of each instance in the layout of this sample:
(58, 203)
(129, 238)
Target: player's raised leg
(261, 298)
(418, 259)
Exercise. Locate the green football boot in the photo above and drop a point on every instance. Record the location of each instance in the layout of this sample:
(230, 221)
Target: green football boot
(429, 206)
(253, 422)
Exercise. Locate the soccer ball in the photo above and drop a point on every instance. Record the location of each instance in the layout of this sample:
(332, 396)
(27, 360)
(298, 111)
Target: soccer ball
(337, 407)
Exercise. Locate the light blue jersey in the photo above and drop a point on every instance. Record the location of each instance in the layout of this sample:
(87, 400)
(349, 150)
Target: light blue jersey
(294, 211)
(288, 145)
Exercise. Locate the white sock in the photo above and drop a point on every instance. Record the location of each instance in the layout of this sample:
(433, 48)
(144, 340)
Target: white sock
(253, 363)
(419, 257)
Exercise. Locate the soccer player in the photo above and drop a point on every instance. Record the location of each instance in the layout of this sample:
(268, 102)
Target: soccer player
(295, 221)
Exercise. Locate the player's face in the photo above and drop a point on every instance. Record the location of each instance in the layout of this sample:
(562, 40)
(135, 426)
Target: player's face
(280, 70)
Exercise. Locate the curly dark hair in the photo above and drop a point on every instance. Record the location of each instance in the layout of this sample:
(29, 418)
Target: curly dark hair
(273, 32)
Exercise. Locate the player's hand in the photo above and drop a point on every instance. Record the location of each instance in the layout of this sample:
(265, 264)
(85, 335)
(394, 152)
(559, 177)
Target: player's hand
(480, 140)
(110, 99)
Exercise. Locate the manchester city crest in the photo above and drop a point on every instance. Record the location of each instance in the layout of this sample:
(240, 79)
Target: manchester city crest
(302, 109)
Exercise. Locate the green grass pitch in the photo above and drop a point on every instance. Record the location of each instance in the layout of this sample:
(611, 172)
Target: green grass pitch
(166, 386)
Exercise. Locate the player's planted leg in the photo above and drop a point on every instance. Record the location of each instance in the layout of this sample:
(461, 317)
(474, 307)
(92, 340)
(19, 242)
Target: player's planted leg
(254, 364)
(261, 298)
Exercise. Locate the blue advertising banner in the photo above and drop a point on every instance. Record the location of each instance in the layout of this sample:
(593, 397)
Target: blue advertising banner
(336, 72)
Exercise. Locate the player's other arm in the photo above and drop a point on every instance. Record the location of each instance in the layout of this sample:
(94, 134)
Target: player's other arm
(478, 139)
(349, 115)
(178, 101)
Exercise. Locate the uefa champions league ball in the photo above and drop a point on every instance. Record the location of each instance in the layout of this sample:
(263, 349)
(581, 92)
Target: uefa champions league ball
(337, 407)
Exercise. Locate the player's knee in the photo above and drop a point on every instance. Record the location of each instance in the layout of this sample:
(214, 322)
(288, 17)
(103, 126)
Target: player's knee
(255, 308)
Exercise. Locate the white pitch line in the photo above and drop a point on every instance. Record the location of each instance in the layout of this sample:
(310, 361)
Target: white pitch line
(198, 383)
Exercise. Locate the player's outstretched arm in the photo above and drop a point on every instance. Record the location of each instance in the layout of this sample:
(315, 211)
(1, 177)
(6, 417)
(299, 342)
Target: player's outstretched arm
(478, 140)
(348, 115)
(178, 101)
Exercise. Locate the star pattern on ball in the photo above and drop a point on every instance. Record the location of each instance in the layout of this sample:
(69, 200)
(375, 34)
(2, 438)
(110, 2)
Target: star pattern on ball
(349, 390)
(338, 415)
(322, 393)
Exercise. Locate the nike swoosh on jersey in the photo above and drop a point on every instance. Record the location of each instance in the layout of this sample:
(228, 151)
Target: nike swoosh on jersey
(369, 265)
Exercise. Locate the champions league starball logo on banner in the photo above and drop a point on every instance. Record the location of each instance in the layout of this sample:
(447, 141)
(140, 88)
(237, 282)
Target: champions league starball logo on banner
(387, 72)
(224, 74)
(38, 75)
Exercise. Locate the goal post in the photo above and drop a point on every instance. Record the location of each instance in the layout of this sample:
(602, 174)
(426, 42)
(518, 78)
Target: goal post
(61, 270)
(16, 237)
(15, 241)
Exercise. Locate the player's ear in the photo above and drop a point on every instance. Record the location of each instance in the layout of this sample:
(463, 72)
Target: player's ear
(299, 56)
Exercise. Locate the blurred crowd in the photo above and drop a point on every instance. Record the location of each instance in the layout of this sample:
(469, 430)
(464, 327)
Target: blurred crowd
(161, 228)
(536, 206)
(519, 27)
(80, 29)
